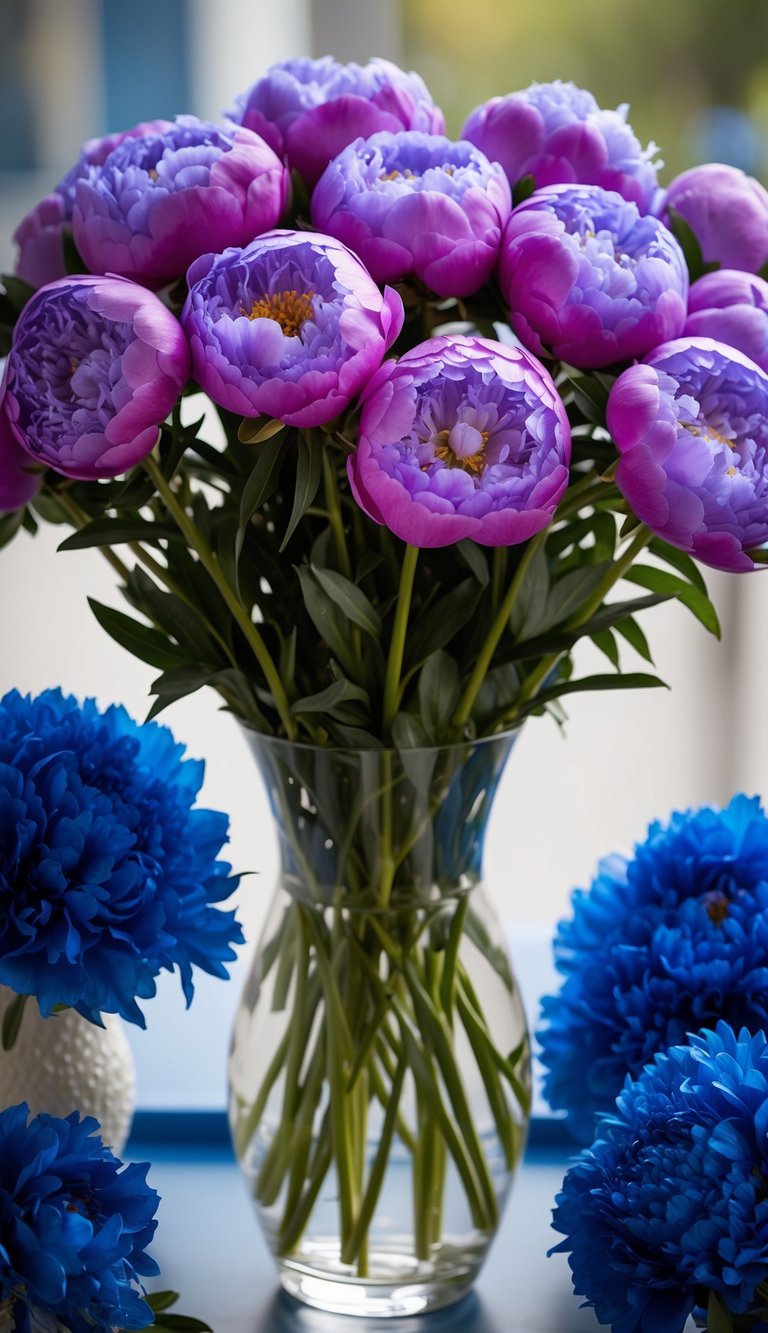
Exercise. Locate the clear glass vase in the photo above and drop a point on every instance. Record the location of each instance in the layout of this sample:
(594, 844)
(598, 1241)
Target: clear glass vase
(379, 1072)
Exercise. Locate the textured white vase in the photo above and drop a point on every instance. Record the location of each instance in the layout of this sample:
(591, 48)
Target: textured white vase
(64, 1063)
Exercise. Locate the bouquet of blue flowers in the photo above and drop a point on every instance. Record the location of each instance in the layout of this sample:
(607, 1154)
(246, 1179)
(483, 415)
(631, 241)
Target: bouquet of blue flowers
(74, 1227)
(108, 872)
(666, 1214)
(663, 943)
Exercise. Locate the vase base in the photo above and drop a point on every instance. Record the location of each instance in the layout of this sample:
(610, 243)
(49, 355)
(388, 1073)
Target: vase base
(374, 1298)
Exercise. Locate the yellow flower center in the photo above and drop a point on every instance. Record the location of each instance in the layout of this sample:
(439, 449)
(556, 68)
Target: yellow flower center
(708, 432)
(291, 310)
(446, 452)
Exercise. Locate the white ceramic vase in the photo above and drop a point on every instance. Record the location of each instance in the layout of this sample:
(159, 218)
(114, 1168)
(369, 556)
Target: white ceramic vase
(64, 1063)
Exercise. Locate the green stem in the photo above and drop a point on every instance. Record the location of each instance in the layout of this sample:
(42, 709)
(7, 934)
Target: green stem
(293, 1228)
(246, 1128)
(616, 572)
(210, 563)
(448, 979)
(397, 643)
(333, 503)
(496, 631)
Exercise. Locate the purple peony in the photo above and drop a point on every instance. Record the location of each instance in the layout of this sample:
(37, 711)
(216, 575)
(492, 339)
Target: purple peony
(691, 425)
(414, 203)
(20, 480)
(731, 306)
(590, 278)
(727, 212)
(558, 134)
(311, 109)
(95, 366)
(159, 201)
(291, 327)
(462, 437)
(40, 235)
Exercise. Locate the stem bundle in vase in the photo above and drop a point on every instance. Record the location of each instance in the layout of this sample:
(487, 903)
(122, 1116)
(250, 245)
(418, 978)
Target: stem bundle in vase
(371, 425)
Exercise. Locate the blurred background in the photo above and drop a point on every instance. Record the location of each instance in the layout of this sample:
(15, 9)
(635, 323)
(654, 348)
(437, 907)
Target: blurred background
(696, 75)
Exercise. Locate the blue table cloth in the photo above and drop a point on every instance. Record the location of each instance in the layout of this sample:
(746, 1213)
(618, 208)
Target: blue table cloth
(210, 1249)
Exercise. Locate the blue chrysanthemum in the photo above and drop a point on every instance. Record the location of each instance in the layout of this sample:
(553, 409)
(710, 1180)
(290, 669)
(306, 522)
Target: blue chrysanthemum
(661, 945)
(670, 1203)
(74, 1226)
(107, 873)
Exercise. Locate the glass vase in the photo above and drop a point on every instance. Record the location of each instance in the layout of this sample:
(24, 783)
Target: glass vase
(379, 1072)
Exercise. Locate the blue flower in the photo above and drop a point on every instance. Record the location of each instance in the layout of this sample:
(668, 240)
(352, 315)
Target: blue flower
(669, 1203)
(74, 1224)
(107, 873)
(660, 945)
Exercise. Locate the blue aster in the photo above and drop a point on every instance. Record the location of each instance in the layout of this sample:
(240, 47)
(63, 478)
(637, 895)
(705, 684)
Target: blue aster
(108, 875)
(669, 1202)
(662, 944)
(74, 1225)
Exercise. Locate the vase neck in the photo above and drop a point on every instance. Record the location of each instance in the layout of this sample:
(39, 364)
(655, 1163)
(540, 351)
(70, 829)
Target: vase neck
(380, 829)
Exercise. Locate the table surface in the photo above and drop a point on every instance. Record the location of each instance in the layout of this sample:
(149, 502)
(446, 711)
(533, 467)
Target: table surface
(210, 1249)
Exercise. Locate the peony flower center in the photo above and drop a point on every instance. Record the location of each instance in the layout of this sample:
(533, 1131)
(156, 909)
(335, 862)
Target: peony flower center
(395, 175)
(462, 446)
(290, 310)
(704, 429)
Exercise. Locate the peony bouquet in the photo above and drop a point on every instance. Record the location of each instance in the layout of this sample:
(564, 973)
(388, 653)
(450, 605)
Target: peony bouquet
(465, 405)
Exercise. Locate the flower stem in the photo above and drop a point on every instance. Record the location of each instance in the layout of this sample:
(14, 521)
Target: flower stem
(497, 629)
(335, 518)
(397, 643)
(210, 563)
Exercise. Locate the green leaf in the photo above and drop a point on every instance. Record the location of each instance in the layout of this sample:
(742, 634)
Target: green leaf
(73, 260)
(113, 531)
(631, 680)
(528, 611)
(568, 596)
(439, 693)
(443, 619)
(634, 635)
(178, 683)
(144, 642)
(471, 553)
(161, 1300)
(16, 291)
(718, 1315)
(496, 693)
(351, 600)
(523, 190)
(408, 732)
(180, 619)
(659, 580)
(680, 561)
(263, 478)
(325, 701)
(368, 562)
(327, 619)
(12, 1019)
(10, 525)
(309, 469)
(259, 430)
(590, 396)
(180, 1323)
(605, 640)
(689, 245)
